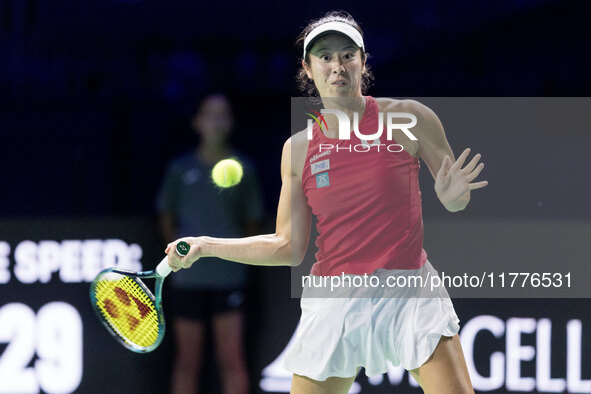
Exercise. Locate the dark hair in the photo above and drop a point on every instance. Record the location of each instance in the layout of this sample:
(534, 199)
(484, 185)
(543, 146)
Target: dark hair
(305, 84)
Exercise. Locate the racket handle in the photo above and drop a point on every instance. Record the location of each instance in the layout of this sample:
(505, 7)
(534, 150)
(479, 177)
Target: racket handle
(163, 269)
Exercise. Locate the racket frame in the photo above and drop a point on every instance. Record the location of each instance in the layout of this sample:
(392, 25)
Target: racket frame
(159, 274)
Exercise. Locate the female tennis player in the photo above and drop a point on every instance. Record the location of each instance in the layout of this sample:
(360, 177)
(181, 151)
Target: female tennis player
(367, 202)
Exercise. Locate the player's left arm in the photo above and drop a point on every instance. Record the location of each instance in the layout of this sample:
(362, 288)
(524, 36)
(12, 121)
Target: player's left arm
(453, 180)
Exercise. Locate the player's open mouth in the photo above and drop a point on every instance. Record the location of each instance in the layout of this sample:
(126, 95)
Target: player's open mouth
(339, 83)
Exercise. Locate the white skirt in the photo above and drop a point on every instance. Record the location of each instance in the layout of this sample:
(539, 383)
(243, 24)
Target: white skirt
(343, 329)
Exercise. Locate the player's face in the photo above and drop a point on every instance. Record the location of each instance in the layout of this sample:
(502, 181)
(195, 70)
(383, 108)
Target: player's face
(336, 66)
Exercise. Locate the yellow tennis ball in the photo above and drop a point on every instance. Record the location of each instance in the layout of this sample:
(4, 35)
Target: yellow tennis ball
(227, 173)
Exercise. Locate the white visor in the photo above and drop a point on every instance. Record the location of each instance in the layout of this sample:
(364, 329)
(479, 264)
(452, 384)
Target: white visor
(338, 27)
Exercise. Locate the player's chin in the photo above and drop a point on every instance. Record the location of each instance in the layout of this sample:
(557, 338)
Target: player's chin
(342, 91)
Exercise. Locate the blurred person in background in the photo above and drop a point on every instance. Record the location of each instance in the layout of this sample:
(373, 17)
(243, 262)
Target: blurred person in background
(211, 294)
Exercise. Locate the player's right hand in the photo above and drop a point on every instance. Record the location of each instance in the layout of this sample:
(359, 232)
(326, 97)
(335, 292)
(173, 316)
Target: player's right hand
(177, 262)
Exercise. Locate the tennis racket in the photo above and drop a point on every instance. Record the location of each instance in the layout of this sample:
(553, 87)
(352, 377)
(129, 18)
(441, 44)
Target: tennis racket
(127, 308)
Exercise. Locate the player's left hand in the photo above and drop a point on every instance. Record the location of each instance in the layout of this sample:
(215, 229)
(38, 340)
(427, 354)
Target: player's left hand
(454, 183)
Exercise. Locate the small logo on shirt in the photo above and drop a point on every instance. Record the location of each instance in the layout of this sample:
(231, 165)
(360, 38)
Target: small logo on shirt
(322, 180)
(235, 299)
(318, 156)
(191, 176)
(323, 165)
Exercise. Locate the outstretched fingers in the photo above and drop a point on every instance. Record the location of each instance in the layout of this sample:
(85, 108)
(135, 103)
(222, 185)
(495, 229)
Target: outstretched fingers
(460, 162)
(477, 185)
(472, 170)
(470, 166)
(472, 175)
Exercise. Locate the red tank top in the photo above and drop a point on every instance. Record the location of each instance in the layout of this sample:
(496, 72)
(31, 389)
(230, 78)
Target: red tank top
(367, 202)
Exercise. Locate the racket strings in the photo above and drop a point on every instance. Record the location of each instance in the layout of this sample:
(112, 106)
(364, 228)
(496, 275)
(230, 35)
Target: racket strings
(127, 308)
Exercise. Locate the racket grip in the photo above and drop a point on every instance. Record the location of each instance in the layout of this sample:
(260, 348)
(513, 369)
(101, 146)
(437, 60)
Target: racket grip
(163, 269)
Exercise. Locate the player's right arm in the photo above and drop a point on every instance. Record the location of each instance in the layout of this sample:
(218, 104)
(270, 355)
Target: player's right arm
(287, 246)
